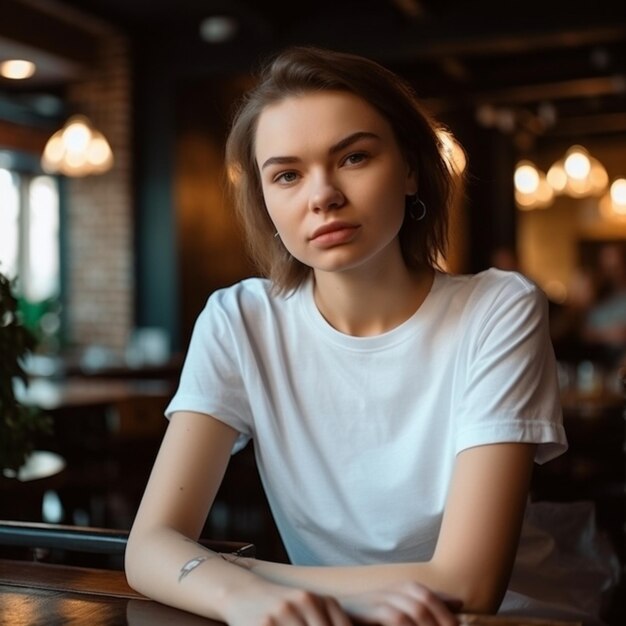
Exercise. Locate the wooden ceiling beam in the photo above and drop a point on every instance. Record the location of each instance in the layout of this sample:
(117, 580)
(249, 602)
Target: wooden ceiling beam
(30, 25)
(597, 124)
(444, 41)
(570, 89)
(24, 138)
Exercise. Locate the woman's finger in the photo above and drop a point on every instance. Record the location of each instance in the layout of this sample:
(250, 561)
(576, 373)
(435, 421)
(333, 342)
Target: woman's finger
(405, 609)
(315, 610)
(437, 608)
(336, 615)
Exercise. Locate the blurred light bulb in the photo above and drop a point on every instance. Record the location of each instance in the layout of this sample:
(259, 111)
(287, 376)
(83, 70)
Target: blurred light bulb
(577, 164)
(557, 178)
(77, 150)
(76, 135)
(218, 28)
(526, 177)
(54, 148)
(612, 211)
(618, 191)
(17, 69)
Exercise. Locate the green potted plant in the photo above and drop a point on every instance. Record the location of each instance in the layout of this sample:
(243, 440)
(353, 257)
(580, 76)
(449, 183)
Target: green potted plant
(19, 425)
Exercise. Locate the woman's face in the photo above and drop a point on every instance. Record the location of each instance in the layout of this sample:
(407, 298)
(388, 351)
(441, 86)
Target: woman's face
(334, 180)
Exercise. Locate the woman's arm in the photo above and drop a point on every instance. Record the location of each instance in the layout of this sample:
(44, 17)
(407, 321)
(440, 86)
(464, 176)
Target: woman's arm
(476, 546)
(163, 560)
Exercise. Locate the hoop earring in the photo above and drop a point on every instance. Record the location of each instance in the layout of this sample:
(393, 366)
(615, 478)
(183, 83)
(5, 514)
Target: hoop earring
(416, 208)
(275, 234)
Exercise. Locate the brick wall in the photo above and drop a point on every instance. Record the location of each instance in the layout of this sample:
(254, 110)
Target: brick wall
(100, 283)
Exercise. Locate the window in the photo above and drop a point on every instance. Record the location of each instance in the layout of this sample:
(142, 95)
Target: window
(29, 234)
(29, 243)
(9, 223)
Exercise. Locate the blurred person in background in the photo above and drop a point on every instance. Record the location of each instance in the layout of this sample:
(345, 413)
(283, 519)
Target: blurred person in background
(605, 322)
(567, 319)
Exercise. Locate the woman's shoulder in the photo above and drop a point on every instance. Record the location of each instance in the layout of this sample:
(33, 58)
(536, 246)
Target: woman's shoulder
(229, 310)
(492, 294)
(250, 297)
(491, 284)
(253, 288)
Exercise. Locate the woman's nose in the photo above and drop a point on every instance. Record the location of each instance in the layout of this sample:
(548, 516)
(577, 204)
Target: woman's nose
(325, 195)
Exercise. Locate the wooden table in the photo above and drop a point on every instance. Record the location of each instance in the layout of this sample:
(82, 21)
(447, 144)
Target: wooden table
(53, 395)
(39, 594)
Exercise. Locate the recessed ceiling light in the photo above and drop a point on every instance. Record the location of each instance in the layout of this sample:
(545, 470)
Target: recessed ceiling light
(17, 69)
(218, 28)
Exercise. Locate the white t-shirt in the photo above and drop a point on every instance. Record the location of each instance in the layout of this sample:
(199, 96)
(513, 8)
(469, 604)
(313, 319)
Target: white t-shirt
(356, 437)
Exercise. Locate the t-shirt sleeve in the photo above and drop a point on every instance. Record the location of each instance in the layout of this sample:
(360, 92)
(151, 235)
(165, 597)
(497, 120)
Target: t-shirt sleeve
(511, 392)
(211, 379)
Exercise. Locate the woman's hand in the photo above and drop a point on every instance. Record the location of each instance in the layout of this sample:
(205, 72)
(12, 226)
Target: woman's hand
(268, 604)
(405, 604)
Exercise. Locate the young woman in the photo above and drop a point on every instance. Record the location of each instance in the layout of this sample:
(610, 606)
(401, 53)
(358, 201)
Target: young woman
(396, 410)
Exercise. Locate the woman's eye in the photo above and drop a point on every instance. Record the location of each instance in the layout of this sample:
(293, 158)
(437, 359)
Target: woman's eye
(355, 158)
(286, 177)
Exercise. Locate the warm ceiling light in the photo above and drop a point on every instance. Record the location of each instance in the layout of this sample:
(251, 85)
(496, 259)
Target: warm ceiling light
(17, 69)
(610, 211)
(77, 149)
(532, 190)
(578, 174)
(557, 178)
(526, 177)
(613, 203)
(618, 191)
(577, 164)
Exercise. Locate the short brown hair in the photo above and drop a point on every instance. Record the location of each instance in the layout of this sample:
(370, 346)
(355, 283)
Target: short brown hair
(300, 70)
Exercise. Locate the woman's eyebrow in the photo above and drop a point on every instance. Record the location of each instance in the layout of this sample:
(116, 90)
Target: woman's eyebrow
(337, 147)
(350, 139)
(280, 160)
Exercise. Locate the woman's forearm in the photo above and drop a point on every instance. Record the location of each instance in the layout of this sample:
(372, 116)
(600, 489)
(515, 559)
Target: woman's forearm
(341, 579)
(166, 566)
(347, 580)
(474, 590)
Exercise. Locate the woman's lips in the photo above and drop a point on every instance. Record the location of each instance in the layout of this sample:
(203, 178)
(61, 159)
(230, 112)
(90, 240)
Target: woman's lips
(333, 234)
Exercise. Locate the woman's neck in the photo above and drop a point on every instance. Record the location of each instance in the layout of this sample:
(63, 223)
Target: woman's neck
(369, 305)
